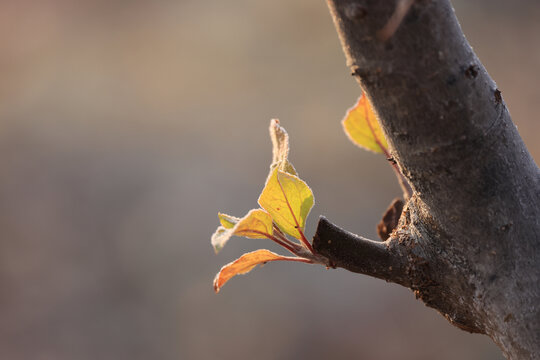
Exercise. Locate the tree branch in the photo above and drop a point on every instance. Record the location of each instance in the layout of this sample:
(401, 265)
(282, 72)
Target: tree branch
(358, 254)
(472, 226)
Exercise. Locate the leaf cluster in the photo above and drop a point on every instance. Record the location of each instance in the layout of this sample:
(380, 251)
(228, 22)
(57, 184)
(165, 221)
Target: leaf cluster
(286, 200)
(285, 203)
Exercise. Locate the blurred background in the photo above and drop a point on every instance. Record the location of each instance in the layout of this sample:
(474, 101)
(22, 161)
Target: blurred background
(125, 126)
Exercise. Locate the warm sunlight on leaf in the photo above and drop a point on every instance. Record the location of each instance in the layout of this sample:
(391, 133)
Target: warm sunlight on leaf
(280, 142)
(245, 263)
(257, 224)
(220, 237)
(280, 148)
(362, 127)
(288, 200)
(228, 221)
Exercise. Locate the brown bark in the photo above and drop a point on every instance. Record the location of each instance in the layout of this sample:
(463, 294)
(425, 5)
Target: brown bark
(468, 241)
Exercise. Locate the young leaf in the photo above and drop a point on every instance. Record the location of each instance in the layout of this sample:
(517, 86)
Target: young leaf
(288, 200)
(228, 221)
(362, 127)
(247, 262)
(220, 237)
(257, 224)
(280, 148)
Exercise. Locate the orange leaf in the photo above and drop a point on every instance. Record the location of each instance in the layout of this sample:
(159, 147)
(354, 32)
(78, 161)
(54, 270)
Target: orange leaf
(246, 262)
(362, 127)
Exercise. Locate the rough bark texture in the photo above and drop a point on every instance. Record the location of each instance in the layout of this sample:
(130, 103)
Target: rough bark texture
(468, 241)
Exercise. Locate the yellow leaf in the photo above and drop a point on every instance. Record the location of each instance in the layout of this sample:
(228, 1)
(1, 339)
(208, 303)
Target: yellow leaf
(280, 148)
(288, 200)
(257, 224)
(362, 126)
(245, 263)
(228, 221)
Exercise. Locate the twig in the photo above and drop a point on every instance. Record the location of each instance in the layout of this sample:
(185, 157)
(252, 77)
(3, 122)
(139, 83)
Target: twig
(402, 8)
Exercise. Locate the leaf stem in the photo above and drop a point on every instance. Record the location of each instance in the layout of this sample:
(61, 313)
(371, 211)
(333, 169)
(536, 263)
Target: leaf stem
(280, 235)
(305, 241)
(405, 187)
(287, 245)
(297, 259)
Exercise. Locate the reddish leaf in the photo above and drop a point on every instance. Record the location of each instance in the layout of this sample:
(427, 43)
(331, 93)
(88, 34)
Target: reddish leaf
(247, 262)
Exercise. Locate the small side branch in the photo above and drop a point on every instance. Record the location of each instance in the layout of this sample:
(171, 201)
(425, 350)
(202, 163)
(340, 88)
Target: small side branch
(402, 7)
(360, 255)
